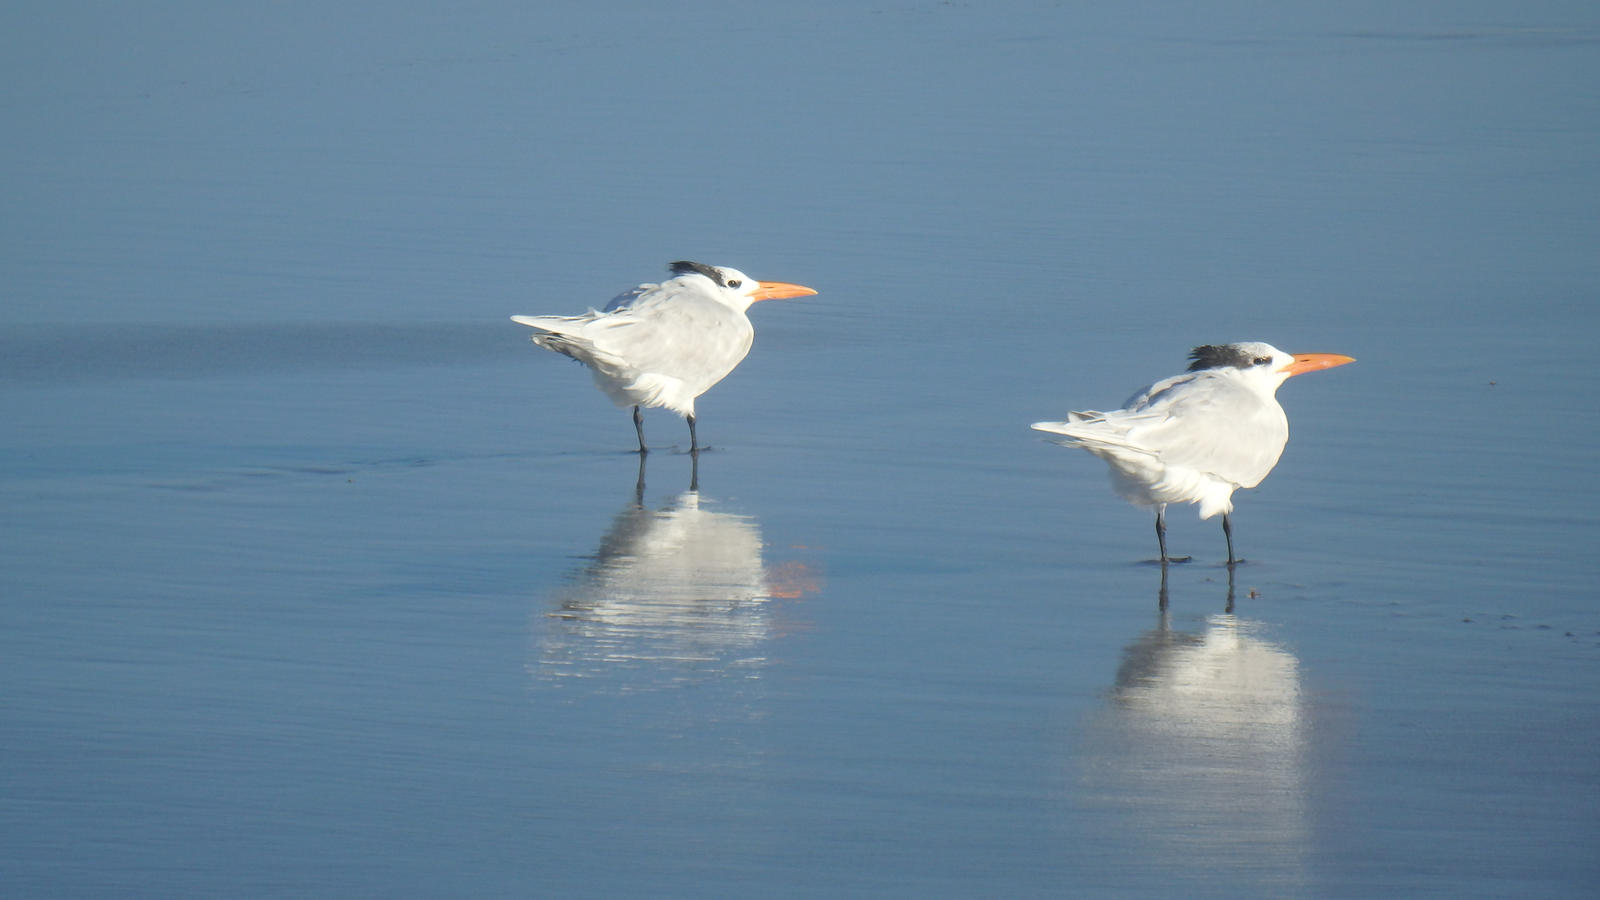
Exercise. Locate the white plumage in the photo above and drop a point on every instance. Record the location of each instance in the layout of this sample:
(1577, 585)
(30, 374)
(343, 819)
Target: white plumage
(664, 344)
(1199, 436)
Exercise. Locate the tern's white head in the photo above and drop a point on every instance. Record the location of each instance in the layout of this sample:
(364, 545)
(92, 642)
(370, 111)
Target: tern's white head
(1259, 364)
(733, 287)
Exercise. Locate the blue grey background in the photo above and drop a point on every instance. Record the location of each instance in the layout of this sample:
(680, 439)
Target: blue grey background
(317, 578)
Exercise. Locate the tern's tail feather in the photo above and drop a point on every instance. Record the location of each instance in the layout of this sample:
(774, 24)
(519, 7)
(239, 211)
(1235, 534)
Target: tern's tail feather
(556, 324)
(626, 385)
(564, 335)
(1091, 430)
(1073, 418)
(1082, 425)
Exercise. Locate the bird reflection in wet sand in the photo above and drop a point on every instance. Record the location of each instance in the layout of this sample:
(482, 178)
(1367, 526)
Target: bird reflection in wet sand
(1202, 750)
(675, 595)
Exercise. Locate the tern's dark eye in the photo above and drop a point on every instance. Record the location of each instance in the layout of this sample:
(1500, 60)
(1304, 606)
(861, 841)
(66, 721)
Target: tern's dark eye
(735, 283)
(1261, 361)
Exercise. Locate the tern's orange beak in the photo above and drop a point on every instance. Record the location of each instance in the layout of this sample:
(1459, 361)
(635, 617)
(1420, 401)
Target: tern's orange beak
(1311, 362)
(779, 290)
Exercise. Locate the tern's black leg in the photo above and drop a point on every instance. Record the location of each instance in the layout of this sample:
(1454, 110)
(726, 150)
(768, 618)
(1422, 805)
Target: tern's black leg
(1161, 536)
(694, 444)
(1227, 532)
(694, 471)
(638, 428)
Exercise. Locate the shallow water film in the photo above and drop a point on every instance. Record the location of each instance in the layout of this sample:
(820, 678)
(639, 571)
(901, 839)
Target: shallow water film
(317, 578)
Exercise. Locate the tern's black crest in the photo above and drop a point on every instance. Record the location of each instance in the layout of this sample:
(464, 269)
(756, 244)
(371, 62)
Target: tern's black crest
(684, 267)
(1216, 356)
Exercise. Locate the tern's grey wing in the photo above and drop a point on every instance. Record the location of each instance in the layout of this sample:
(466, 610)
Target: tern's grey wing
(678, 333)
(1210, 423)
(1109, 431)
(1146, 397)
(627, 297)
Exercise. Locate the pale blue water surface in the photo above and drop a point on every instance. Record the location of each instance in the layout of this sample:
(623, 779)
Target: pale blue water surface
(317, 579)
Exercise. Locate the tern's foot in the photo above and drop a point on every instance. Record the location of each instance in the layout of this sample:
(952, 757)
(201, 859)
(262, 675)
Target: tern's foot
(1175, 559)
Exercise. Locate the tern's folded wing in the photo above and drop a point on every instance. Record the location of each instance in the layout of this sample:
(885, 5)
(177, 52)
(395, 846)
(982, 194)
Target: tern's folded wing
(1212, 425)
